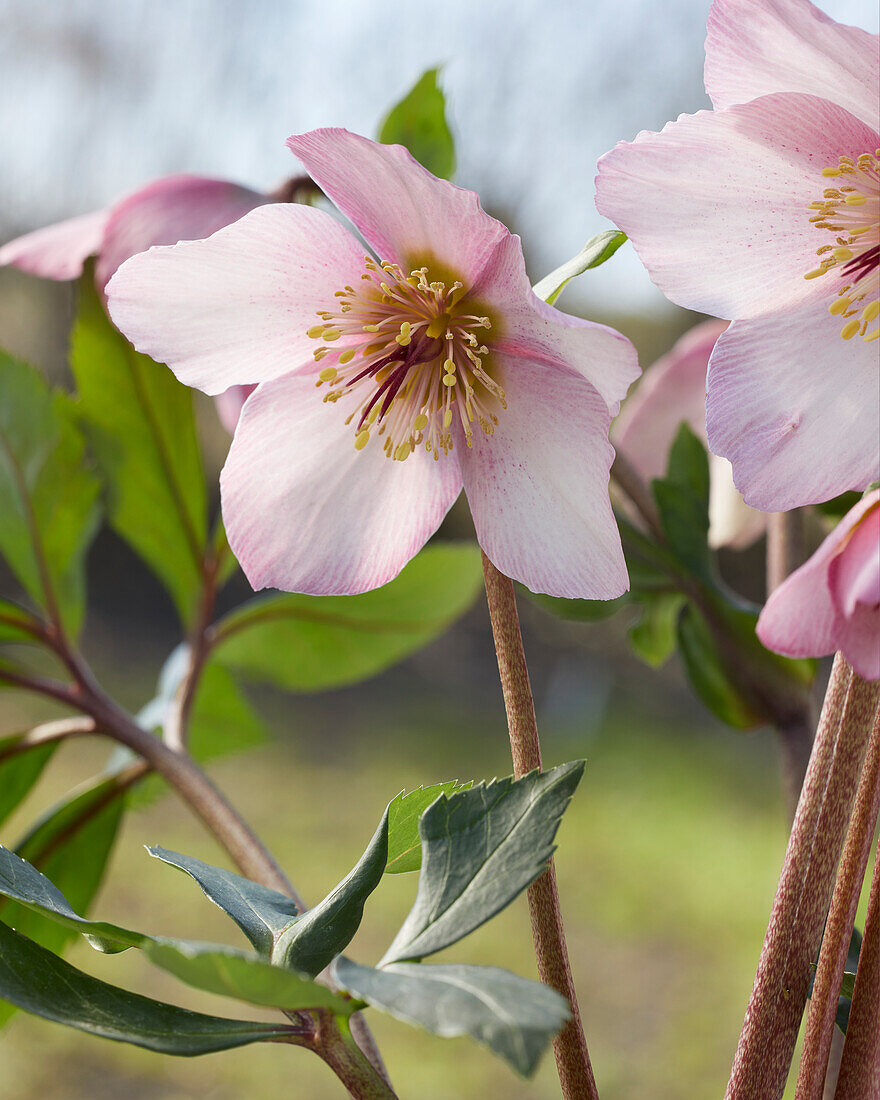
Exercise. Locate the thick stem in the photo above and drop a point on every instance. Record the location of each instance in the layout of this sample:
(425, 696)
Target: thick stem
(859, 1077)
(785, 546)
(570, 1046)
(766, 1045)
(337, 1046)
(838, 929)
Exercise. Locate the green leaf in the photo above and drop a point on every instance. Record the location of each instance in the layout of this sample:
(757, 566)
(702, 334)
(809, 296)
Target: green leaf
(259, 912)
(480, 848)
(683, 502)
(319, 934)
(48, 496)
(418, 122)
(40, 983)
(19, 771)
(653, 637)
(584, 611)
(140, 422)
(596, 251)
(404, 842)
(15, 623)
(514, 1017)
(707, 671)
(310, 643)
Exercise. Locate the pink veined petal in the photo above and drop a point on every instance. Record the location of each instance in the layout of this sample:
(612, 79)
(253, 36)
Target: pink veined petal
(529, 329)
(407, 215)
(793, 433)
(230, 403)
(716, 205)
(756, 47)
(306, 512)
(538, 487)
(176, 208)
(854, 575)
(673, 391)
(234, 309)
(57, 251)
(859, 641)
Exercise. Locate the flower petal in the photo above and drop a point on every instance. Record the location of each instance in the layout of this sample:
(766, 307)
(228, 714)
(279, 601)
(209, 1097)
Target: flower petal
(716, 204)
(854, 575)
(538, 487)
(234, 308)
(230, 403)
(409, 216)
(732, 523)
(57, 251)
(794, 433)
(529, 329)
(799, 619)
(306, 512)
(176, 208)
(756, 47)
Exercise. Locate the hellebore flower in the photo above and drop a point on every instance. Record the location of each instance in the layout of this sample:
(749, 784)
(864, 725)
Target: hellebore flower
(673, 392)
(388, 383)
(767, 211)
(833, 601)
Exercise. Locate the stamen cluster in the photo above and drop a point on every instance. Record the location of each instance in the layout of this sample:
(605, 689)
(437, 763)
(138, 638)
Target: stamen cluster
(407, 351)
(851, 210)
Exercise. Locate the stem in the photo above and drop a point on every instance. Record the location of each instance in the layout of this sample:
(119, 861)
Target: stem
(630, 482)
(859, 1077)
(177, 724)
(58, 730)
(785, 546)
(569, 1046)
(335, 1043)
(838, 930)
(766, 1045)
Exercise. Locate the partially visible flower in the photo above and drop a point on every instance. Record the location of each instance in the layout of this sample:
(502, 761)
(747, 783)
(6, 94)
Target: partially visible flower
(833, 601)
(230, 403)
(166, 211)
(389, 382)
(767, 211)
(673, 392)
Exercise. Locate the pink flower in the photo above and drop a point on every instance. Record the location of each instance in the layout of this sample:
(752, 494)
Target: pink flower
(673, 392)
(833, 601)
(386, 385)
(767, 211)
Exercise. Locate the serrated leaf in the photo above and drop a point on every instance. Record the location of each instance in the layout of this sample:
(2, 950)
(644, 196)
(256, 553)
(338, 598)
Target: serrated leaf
(312, 940)
(140, 422)
(311, 643)
(653, 637)
(404, 842)
(259, 912)
(682, 498)
(418, 122)
(514, 1017)
(19, 771)
(596, 251)
(480, 848)
(37, 981)
(48, 495)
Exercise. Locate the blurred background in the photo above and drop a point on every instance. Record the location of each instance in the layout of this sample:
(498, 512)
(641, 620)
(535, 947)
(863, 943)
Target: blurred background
(670, 852)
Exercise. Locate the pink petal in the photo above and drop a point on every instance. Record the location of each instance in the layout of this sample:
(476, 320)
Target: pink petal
(538, 487)
(407, 215)
(529, 329)
(177, 208)
(795, 408)
(673, 391)
(756, 47)
(306, 512)
(854, 575)
(234, 309)
(58, 251)
(716, 205)
(230, 403)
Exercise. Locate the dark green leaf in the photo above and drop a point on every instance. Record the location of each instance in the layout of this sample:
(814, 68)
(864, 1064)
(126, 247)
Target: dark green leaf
(707, 671)
(39, 982)
(683, 502)
(514, 1017)
(404, 842)
(309, 643)
(418, 122)
(480, 848)
(837, 508)
(315, 937)
(586, 611)
(223, 721)
(19, 771)
(48, 496)
(653, 637)
(140, 421)
(259, 912)
(596, 251)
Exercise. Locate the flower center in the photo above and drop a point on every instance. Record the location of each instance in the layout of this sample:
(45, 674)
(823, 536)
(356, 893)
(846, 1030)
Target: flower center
(406, 351)
(851, 211)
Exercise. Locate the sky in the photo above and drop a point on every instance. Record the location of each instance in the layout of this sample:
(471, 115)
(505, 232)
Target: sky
(98, 97)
